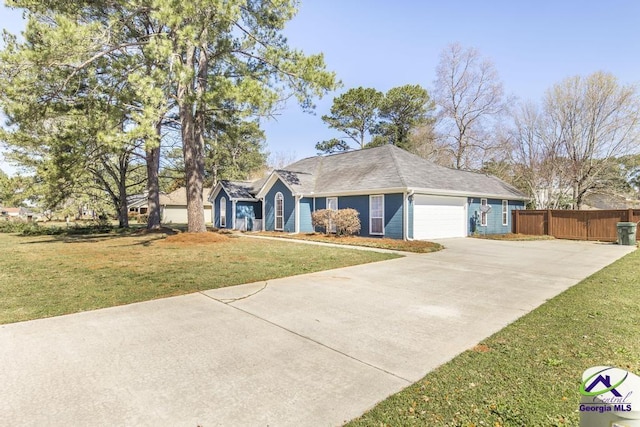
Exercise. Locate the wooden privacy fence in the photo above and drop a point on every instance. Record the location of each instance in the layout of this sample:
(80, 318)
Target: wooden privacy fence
(578, 225)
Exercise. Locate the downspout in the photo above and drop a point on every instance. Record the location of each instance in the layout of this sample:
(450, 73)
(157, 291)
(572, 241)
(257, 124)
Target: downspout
(264, 218)
(406, 215)
(296, 225)
(313, 229)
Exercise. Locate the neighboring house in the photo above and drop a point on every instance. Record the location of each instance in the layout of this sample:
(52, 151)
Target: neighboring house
(138, 204)
(398, 195)
(16, 213)
(599, 200)
(173, 206)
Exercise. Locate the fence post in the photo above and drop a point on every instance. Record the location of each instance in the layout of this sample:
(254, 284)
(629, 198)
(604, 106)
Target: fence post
(630, 215)
(549, 227)
(516, 226)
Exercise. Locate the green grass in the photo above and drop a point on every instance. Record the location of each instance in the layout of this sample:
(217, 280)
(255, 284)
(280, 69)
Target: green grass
(42, 276)
(417, 246)
(528, 374)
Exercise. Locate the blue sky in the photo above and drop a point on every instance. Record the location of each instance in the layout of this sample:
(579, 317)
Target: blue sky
(383, 44)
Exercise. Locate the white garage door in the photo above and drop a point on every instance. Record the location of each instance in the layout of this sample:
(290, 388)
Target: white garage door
(436, 217)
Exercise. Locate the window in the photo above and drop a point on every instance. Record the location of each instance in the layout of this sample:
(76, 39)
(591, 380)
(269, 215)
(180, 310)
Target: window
(484, 211)
(505, 212)
(223, 212)
(279, 204)
(376, 215)
(332, 204)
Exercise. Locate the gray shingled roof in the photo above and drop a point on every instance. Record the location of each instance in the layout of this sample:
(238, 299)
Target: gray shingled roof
(387, 167)
(240, 189)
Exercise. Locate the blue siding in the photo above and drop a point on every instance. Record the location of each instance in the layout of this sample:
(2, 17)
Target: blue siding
(306, 205)
(216, 207)
(359, 203)
(289, 205)
(393, 216)
(494, 216)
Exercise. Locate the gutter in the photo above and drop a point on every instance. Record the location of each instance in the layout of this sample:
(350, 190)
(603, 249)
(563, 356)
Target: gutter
(457, 193)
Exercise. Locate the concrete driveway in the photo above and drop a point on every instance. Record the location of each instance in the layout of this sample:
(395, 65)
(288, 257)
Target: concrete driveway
(317, 349)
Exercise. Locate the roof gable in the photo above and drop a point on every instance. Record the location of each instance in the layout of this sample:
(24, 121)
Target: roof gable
(238, 190)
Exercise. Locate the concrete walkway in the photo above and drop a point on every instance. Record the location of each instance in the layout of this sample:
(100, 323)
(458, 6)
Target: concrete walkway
(311, 350)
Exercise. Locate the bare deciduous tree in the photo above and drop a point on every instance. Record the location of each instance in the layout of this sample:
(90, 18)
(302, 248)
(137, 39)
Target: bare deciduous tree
(535, 156)
(470, 96)
(423, 142)
(593, 119)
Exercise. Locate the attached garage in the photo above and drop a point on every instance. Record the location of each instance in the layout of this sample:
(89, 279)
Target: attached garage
(437, 217)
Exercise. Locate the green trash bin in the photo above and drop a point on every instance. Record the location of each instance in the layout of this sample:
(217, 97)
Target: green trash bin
(627, 233)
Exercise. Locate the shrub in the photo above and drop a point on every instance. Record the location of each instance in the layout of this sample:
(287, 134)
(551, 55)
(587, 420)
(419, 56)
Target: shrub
(322, 219)
(347, 222)
(143, 219)
(36, 230)
(9, 226)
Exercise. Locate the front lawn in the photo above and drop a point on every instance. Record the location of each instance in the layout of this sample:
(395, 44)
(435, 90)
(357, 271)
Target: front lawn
(418, 246)
(528, 374)
(42, 276)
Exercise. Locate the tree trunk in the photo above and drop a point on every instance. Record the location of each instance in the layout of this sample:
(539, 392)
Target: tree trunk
(194, 171)
(153, 184)
(192, 122)
(123, 214)
(123, 206)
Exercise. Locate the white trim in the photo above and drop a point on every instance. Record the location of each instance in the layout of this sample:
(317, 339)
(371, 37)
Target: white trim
(263, 220)
(455, 193)
(466, 218)
(405, 216)
(364, 192)
(214, 192)
(296, 225)
(327, 202)
(371, 197)
(411, 194)
(275, 211)
(484, 216)
(505, 213)
(223, 202)
(233, 212)
(416, 190)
